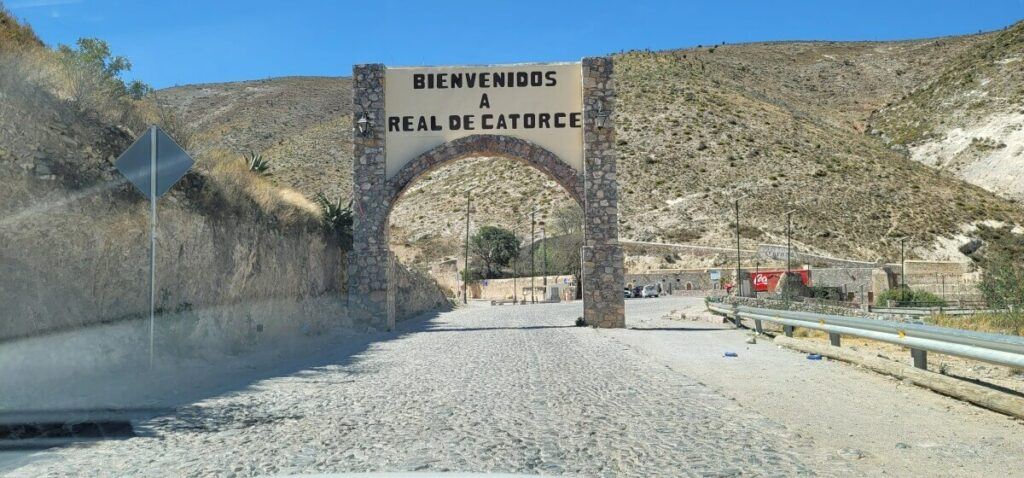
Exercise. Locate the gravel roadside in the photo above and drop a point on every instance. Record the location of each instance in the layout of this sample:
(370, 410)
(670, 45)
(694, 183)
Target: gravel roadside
(886, 426)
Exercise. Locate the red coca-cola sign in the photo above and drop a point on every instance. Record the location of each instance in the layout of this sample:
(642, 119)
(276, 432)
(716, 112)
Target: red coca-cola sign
(766, 281)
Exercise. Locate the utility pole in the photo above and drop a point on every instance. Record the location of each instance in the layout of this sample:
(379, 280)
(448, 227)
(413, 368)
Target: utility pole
(789, 242)
(465, 267)
(903, 264)
(544, 257)
(515, 264)
(740, 290)
(533, 263)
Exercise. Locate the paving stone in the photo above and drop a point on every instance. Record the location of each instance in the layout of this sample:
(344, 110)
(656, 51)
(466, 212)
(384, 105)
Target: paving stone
(479, 389)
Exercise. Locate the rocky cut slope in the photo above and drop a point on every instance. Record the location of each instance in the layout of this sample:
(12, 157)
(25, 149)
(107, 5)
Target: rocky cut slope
(780, 125)
(969, 118)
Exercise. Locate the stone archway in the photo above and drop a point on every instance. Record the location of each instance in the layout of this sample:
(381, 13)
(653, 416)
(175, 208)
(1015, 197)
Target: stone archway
(488, 145)
(371, 299)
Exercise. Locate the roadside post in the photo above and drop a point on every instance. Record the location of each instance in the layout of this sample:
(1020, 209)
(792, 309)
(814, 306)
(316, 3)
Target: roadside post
(153, 163)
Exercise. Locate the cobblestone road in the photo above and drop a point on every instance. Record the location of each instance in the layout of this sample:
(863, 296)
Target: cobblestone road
(495, 389)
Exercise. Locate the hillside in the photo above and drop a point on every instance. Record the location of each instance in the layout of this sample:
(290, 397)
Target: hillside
(969, 118)
(234, 252)
(782, 124)
(301, 124)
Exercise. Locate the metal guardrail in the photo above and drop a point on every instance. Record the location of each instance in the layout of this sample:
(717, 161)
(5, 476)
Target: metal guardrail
(1006, 350)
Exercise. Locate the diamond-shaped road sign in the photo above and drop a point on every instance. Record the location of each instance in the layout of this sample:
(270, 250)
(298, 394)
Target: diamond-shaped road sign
(136, 162)
(153, 163)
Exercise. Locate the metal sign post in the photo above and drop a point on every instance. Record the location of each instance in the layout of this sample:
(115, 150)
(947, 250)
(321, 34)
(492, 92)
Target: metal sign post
(153, 163)
(152, 240)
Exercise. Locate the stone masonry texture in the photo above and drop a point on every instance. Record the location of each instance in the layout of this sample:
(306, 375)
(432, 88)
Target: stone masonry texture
(596, 190)
(369, 262)
(603, 274)
(488, 145)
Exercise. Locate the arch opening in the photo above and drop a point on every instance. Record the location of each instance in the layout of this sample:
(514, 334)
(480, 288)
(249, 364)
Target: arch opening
(426, 220)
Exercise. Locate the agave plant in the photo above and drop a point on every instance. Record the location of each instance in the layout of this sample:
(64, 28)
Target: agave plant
(336, 218)
(257, 163)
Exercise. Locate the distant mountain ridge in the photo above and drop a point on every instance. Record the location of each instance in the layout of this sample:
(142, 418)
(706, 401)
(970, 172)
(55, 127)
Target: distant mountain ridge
(780, 124)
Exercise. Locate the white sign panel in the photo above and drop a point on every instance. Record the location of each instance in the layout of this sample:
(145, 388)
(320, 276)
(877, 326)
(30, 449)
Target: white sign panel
(429, 106)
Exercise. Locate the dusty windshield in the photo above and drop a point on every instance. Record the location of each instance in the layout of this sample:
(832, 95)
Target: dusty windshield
(585, 238)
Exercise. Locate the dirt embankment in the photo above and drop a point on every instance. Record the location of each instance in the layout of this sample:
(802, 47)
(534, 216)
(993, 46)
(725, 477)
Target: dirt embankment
(240, 262)
(242, 259)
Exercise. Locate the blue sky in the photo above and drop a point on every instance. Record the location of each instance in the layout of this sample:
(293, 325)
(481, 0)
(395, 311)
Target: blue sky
(181, 42)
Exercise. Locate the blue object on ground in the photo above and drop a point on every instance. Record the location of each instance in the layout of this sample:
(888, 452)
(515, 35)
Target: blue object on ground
(813, 356)
(731, 354)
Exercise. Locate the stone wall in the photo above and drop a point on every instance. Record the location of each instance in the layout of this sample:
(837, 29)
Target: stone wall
(949, 280)
(800, 306)
(918, 267)
(775, 252)
(808, 306)
(850, 279)
(502, 289)
(673, 281)
(649, 248)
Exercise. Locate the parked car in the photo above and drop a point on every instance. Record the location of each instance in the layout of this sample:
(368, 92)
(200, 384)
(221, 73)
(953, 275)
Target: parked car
(650, 290)
(628, 293)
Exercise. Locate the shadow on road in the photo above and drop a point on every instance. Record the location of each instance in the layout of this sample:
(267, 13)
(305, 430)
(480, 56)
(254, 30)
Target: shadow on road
(53, 393)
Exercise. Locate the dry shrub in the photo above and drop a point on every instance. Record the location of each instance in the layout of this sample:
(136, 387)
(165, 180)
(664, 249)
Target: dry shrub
(153, 111)
(1009, 322)
(14, 34)
(236, 186)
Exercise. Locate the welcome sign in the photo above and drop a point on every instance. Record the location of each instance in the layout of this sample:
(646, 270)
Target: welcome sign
(429, 106)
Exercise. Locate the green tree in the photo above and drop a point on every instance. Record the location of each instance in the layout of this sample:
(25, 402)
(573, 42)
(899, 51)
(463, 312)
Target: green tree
(95, 53)
(1002, 282)
(494, 248)
(138, 90)
(97, 68)
(566, 245)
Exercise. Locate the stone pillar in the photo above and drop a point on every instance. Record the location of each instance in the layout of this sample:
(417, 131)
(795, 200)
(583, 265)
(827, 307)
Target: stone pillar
(603, 275)
(369, 261)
